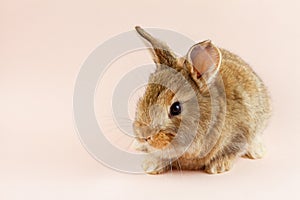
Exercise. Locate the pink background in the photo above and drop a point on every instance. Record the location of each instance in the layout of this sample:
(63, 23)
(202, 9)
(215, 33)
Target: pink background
(44, 43)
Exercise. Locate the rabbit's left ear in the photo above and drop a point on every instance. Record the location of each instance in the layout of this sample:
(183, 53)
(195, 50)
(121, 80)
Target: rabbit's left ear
(203, 60)
(162, 54)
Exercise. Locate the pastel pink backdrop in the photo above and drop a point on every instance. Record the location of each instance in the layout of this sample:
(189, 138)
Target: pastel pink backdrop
(44, 43)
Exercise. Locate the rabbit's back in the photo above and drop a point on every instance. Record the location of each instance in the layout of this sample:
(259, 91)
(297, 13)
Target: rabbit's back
(248, 101)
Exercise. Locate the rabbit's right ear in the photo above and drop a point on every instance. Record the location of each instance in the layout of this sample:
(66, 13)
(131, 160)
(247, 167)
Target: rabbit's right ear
(203, 60)
(162, 54)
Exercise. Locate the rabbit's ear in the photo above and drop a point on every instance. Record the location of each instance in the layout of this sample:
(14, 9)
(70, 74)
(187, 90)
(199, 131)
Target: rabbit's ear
(162, 54)
(203, 60)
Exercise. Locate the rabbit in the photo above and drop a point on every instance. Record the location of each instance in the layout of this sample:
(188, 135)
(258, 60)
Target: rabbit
(215, 111)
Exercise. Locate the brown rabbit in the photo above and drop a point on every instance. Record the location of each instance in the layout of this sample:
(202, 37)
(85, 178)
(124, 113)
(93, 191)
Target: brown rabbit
(200, 111)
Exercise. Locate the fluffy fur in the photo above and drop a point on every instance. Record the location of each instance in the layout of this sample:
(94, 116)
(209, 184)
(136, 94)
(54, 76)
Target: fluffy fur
(218, 92)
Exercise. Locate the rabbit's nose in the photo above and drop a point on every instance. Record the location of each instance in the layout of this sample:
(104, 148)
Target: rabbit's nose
(148, 138)
(150, 133)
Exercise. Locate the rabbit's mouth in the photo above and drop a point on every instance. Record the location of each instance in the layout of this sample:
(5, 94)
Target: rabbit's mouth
(160, 140)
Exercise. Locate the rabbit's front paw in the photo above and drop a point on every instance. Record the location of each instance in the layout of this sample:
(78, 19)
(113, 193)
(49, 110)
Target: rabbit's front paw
(153, 166)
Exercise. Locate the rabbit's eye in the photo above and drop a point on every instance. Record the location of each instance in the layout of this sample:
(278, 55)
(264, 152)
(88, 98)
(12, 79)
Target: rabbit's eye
(175, 109)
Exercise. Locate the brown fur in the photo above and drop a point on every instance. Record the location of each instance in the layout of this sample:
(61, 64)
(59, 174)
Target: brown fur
(236, 130)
